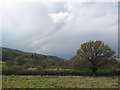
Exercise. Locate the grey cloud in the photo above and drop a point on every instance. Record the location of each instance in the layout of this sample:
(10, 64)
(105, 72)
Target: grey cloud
(28, 27)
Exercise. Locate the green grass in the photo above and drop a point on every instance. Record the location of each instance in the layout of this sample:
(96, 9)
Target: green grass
(1, 62)
(59, 82)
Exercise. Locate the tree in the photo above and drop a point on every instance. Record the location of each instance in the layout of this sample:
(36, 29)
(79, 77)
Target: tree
(39, 67)
(94, 54)
(20, 60)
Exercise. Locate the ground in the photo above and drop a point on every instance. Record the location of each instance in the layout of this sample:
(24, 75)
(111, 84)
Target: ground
(60, 82)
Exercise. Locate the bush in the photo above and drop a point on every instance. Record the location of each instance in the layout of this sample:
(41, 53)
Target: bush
(61, 73)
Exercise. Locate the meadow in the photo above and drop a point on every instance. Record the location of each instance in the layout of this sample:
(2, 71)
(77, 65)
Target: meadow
(15, 81)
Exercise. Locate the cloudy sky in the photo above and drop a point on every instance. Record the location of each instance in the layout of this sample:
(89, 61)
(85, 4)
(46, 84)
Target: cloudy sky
(58, 28)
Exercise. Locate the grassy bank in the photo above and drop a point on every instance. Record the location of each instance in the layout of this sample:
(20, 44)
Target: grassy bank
(60, 82)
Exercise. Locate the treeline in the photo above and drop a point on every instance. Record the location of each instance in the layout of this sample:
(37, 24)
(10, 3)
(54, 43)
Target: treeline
(93, 58)
(16, 61)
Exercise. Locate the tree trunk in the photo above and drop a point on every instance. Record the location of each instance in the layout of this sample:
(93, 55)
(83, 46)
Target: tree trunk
(94, 71)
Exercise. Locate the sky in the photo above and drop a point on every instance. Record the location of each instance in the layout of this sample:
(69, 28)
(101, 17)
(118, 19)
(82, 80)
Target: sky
(58, 28)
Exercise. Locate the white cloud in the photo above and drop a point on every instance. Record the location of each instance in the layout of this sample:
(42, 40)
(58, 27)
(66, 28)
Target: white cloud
(60, 17)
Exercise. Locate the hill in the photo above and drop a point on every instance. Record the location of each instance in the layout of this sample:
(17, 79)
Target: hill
(15, 59)
(10, 54)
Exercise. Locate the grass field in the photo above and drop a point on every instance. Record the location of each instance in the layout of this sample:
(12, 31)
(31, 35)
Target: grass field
(59, 82)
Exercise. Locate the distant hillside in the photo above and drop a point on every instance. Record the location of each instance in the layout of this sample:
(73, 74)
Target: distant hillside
(10, 54)
(26, 59)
